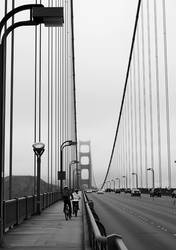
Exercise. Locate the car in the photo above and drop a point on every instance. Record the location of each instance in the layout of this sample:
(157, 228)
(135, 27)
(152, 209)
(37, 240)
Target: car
(155, 192)
(117, 191)
(173, 194)
(89, 191)
(100, 191)
(135, 192)
(127, 191)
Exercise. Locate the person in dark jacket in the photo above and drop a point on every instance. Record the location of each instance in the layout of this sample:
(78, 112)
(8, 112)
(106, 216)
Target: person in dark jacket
(67, 196)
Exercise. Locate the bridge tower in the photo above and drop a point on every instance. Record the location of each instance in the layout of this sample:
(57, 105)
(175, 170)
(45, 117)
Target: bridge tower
(85, 164)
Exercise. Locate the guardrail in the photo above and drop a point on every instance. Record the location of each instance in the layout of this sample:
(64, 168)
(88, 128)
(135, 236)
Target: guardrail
(97, 240)
(17, 210)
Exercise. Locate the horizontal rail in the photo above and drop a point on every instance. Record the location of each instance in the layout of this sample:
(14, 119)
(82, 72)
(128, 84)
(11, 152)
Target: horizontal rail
(17, 210)
(97, 240)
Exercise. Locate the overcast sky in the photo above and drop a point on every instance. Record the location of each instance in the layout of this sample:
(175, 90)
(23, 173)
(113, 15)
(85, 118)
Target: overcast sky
(103, 33)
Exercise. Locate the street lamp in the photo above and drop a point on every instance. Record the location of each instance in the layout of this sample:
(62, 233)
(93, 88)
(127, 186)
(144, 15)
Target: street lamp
(119, 181)
(124, 176)
(153, 176)
(70, 164)
(136, 179)
(38, 148)
(38, 14)
(61, 174)
(114, 184)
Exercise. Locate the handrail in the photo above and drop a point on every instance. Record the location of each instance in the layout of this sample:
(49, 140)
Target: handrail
(97, 241)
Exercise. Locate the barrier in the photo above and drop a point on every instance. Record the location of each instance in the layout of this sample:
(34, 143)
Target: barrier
(17, 210)
(96, 239)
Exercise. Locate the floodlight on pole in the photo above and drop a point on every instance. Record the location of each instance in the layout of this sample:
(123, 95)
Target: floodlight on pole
(124, 176)
(153, 176)
(136, 179)
(38, 149)
(118, 180)
(63, 145)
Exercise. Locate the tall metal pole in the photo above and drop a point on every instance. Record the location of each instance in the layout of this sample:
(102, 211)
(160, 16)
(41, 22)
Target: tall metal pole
(38, 184)
(2, 136)
(61, 169)
(11, 108)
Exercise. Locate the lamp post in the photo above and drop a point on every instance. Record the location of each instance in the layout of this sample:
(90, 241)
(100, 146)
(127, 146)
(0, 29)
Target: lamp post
(38, 15)
(114, 183)
(119, 181)
(38, 148)
(61, 175)
(109, 186)
(70, 165)
(124, 176)
(153, 176)
(136, 179)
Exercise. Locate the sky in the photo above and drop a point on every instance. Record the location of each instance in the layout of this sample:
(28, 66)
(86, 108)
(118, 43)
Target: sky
(103, 33)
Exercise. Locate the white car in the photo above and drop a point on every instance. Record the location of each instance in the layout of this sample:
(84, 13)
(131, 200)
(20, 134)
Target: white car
(100, 192)
(89, 191)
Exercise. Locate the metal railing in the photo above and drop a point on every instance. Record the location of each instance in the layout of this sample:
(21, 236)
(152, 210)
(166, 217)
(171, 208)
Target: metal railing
(17, 210)
(97, 240)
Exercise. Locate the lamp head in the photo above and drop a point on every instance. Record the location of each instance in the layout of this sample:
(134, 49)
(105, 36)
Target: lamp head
(50, 16)
(38, 148)
(73, 143)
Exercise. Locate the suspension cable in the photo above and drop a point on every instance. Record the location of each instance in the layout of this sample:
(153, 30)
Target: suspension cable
(125, 86)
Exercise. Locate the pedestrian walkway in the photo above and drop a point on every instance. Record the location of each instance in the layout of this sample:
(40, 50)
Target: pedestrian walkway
(48, 231)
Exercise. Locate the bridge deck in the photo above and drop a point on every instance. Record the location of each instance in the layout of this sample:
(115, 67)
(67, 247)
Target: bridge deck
(48, 231)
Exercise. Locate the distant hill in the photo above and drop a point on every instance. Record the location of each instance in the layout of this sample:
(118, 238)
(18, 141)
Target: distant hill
(23, 186)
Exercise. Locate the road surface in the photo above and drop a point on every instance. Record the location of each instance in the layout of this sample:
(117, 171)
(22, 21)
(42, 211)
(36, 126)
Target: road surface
(144, 223)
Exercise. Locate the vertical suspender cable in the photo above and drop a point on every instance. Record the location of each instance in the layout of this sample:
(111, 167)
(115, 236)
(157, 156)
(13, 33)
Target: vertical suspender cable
(35, 105)
(11, 107)
(49, 61)
(150, 85)
(167, 94)
(59, 98)
(74, 84)
(40, 77)
(129, 142)
(51, 105)
(63, 91)
(135, 111)
(157, 94)
(4, 73)
(132, 144)
(67, 70)
(60, 90)
(144, 95)
(139, 101)
(56, 99)
(66, 88)
(126, 143)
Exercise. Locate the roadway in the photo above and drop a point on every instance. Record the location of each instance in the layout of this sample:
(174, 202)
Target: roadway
(144, 223)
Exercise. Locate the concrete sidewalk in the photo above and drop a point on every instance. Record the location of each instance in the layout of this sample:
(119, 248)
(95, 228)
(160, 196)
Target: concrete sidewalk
(48, 231)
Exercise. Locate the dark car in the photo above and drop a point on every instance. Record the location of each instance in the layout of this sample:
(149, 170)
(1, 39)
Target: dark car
(155, 192)
(173, 194)
(117, 191)
(135, 192)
